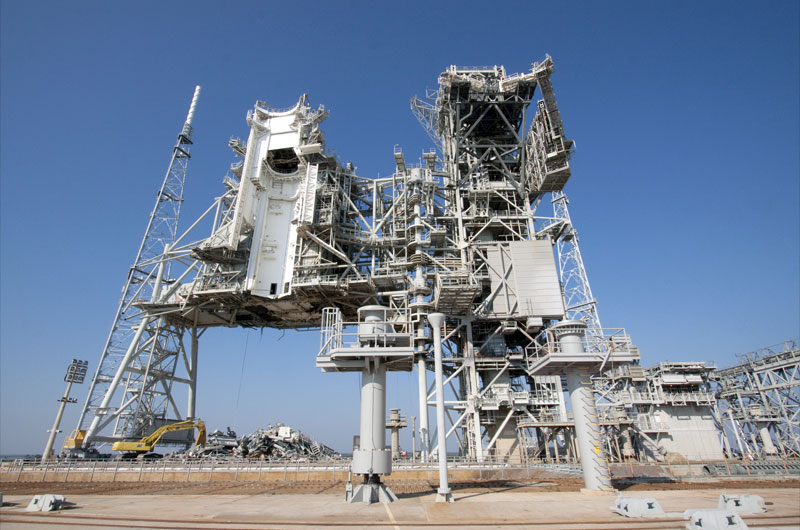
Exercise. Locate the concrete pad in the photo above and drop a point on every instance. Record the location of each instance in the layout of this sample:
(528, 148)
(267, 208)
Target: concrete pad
(545, 510)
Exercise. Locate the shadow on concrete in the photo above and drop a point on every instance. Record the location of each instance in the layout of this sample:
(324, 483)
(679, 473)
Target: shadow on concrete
(625, 483)
(487, 487)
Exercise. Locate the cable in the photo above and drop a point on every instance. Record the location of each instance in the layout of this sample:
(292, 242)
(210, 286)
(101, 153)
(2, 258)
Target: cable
(241, 375)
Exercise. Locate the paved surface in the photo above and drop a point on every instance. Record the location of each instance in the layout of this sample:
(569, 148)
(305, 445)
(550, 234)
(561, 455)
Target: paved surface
(509, 508)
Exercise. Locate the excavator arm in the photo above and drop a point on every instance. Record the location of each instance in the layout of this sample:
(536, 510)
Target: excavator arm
(147, 443)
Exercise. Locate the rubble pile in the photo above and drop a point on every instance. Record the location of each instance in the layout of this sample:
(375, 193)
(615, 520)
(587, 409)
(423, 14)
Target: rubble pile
(275, 442)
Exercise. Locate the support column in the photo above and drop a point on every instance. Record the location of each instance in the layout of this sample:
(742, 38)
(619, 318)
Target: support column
(592, 453)
(422, 372)
(473, 392)
(413, 439)
(52, 438)
(591, 450)
(394, 424)
(372, 459)
(443, 494)
(766, 440)
(190, 413)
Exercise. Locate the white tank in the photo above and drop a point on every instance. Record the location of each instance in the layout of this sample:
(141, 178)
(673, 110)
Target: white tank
(373, 321)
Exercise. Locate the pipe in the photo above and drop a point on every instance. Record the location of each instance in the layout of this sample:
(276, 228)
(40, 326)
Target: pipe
(443, 494)
(191, 412)
(413, 439)
(424, 446)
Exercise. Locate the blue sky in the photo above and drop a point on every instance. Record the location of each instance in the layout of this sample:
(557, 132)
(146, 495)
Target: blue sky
(685, 186)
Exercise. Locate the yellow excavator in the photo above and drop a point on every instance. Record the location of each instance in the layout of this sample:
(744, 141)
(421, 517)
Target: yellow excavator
(146, 444)
(75, 439)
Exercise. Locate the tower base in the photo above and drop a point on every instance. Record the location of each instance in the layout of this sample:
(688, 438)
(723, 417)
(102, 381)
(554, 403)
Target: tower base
(370, 492)
(444, 496)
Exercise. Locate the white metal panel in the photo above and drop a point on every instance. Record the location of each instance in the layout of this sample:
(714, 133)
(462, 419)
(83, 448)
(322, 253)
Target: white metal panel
(531, 286)
(283, 141)
(274, 239)
(245, 199)
(274, 202)
(499, 261)
(673, 379)
(538, 288)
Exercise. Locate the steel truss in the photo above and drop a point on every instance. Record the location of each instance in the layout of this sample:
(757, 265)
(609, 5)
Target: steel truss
(759, 400)
(141, 351)
(499, 175)
(461, 233)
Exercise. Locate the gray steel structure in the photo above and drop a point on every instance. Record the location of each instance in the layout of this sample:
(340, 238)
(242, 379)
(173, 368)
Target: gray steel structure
(759, 401)
(299, 240)
(666, 409)
(141, 351)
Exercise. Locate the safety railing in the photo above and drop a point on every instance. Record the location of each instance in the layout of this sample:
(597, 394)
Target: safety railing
(377, 327)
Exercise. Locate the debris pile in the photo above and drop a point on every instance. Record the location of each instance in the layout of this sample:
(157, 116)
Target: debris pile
(275, 442)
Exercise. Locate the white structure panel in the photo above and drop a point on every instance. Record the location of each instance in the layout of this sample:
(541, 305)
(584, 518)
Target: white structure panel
(531, 287)
(267, 203)
(272, 253)
(690, 431)
(538, 287)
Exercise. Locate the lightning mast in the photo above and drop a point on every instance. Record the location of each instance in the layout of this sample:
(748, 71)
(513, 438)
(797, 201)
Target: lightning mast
(579, 302)
(145, 277)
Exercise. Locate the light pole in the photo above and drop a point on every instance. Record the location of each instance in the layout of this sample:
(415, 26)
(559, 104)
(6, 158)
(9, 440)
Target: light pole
(76, 372)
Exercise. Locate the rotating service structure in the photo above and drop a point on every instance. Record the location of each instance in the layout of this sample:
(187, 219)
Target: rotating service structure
(479, 231)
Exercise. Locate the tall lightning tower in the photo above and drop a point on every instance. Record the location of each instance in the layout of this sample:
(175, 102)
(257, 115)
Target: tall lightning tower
(579, 302)
(134, 333)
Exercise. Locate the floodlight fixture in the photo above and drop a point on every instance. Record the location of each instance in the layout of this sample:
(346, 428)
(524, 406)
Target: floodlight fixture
(76, 371)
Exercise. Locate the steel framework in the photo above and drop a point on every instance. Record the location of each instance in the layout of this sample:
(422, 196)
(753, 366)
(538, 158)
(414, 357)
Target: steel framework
(666, 409)
(759, 400)
(298, 238)
(141, 351)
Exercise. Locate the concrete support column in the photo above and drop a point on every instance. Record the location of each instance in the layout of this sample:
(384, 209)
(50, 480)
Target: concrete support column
(394, 424)
(373, 409)
(594, 460)
(52, 438)
(372, 459)
(592, 453)
(395, 443)
(766, 441)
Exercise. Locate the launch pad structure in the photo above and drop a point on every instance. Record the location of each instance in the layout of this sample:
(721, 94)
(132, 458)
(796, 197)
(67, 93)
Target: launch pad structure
(479, 232)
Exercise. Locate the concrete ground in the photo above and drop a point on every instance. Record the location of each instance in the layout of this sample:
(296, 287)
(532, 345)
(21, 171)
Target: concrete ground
(488, 509)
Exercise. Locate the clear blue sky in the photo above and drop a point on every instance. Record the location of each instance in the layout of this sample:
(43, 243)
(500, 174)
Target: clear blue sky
(684, 190)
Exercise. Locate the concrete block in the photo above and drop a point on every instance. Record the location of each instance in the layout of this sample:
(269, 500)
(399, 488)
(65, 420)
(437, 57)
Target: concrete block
(713, 520)
(637, 507)
(742, 503)
(45, 503)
